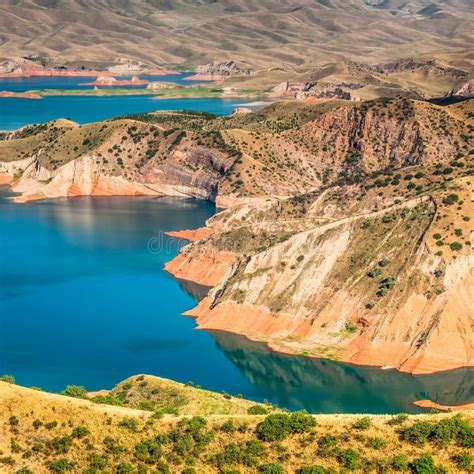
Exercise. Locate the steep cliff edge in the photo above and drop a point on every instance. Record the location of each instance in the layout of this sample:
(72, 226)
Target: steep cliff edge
(349, 230)
(391, 283)
(281, 151)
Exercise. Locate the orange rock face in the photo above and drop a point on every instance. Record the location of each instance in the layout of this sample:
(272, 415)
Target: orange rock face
(207, 270)
(19, 95)
(192, 235)
(437, 406)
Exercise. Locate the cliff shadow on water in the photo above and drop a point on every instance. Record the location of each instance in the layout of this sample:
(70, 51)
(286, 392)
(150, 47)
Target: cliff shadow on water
(325, 386)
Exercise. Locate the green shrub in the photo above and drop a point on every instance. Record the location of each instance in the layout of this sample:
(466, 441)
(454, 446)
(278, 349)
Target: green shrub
(107, 400)
(8, 460)
(149, 451)
(451, 199)
(228, 426)
(7, 379)
(252, 452)
(455, 246)
(24, 470)
(51, 425)
(257, 410)
(275, 427)
(374, 272)
(301, 422)
(146, 405)
(327, 445)
(423, 465)
(80, 432)
(97, 462)
(350, 327)
(124, 467)
(13, 420)
(60, 465)
(61, 445)
(316, 469)
(384, 262)
(75, 391)
(398, 419)
(129, 423)
(418, 433)
(436, 236)
(349, 459)
(271, 468)
(376, 442)
(362, 423)
(188, 470)
(112, 447)
(37, 424)
(400, 462)
(464, 460)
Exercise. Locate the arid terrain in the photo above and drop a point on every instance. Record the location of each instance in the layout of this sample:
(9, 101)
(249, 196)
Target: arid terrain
(348, 231)
(257, 34)
(139, 427)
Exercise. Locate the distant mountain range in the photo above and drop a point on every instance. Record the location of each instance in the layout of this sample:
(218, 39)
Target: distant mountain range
(255, 33)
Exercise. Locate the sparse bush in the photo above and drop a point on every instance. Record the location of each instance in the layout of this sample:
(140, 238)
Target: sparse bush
(349, 459)
(124, 467)
(97, 462)
(61, 445)
(377, 443)
(129, 423)
(275, 427)
(423, 465)
(51, 425)
(7, 379)
(60, 465)
(451, 199)
(455, 246)
(13, 420)
(271, 468)
(327, 445)
(362, 423)
(257, 410)
(464, 460)
(80, 432)
(375, 272)
(418, 433)
(316, 469)
(398, 419)
(400, 462)
(350, 327)
(301, 422)
(75, 391)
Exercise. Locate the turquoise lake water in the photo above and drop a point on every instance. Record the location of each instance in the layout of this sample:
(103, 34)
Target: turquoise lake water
(16, 113)
(84, 301)
(22, 84)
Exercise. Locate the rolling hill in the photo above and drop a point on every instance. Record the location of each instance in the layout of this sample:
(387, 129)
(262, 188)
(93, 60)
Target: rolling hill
(289, 33)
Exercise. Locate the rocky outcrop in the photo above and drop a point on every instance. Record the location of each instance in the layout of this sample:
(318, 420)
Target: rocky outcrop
(157, 85)
(311, 293)
(311, 90)
(19, 95)
(112, 82)
(215, 71)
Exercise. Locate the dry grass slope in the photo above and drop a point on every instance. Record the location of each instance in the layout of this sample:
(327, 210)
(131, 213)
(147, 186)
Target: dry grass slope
(42, 433)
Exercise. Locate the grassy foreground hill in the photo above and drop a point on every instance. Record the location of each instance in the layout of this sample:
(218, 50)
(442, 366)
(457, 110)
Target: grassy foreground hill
(140, 427)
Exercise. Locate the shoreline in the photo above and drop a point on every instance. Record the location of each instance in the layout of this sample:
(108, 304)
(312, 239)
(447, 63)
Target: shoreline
(84, 73)
(193, 235)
